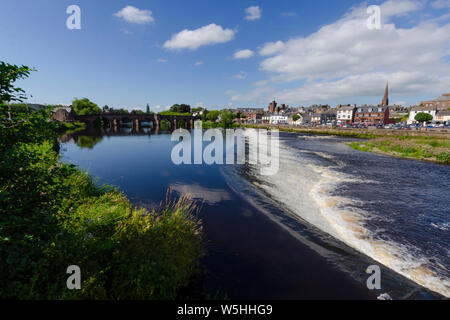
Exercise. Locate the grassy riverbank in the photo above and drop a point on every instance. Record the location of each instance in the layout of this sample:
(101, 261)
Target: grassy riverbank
(425, 146)
(410, 147)
(52, 216)
(70, 127)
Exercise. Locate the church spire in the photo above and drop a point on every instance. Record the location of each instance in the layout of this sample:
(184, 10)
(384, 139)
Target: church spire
(385, 101)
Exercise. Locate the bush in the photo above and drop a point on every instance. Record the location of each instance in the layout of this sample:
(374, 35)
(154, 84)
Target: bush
(52, 216)
(444, 157)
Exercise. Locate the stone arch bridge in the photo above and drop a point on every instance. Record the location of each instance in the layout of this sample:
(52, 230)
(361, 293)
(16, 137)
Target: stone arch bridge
(116, 120)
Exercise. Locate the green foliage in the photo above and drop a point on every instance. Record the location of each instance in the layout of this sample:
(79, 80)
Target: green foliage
(198, 109)
(295, 117)
(19, 108)
(88, 142)
(213, 115)
(8, 75)
(85, 107)
(119, 111)
(416, 147)
(70, 127)
(444, 157)
(26, 127)
(52, 216)
(226, 118)
(180, 108)
(172, 113)
(423, 117)
(164, 125)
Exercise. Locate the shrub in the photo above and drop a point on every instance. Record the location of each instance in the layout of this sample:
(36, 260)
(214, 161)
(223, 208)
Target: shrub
(52, 215)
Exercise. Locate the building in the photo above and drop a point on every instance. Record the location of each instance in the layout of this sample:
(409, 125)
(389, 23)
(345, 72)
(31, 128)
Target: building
(414, 111)
(278, 119)
(272, 106)
(316, 118)
(328, 117)
(320, 108)
(385, 101)
(440, 103)
(398, 111)
(63, 113)
(372, 115)
(256, 117)
(443, 116)
(35, 106)
(345, 114)
(304, 120)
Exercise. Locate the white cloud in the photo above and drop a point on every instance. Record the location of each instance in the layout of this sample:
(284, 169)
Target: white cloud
(193, 39)
(134, 15)
(160, 108)
(271, 48)
(241, 75)
(253, 13)
(243, 54)
(348, 89)
(198, 63)
(259, 94)
(345, 59)
(441, 4)
(160, 60)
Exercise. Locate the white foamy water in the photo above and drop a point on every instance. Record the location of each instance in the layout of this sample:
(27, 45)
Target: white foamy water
(305, 188)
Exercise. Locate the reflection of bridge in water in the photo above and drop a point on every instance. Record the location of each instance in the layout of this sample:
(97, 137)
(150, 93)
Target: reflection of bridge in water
(118, 120)
(92, 135)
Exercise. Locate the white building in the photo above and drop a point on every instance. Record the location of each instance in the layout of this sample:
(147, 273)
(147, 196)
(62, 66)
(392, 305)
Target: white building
(345, 114)
(278, 119)
(416, 110)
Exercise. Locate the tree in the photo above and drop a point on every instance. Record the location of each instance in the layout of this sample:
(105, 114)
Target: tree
(213, 115)
(198, 109)
(295, 117)
(147, 109)
(226, 118)
(8, 75)
(423, 117)
(85, 107)
(180, 108)
(105, 109)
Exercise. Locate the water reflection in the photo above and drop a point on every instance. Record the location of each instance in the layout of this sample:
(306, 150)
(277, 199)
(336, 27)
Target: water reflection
(91, 136)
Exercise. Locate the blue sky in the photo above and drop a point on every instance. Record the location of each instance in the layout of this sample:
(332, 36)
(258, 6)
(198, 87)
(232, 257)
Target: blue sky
(130, 53)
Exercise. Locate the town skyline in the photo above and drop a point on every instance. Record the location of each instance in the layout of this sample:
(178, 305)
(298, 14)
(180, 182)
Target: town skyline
(240, 55)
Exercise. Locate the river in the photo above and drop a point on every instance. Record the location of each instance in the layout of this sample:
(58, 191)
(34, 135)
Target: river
(308, 232)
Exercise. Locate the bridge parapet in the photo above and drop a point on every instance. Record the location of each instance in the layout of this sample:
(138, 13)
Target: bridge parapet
(115, 120)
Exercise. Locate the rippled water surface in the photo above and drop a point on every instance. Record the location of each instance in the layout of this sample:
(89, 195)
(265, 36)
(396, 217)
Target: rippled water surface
(308, 232)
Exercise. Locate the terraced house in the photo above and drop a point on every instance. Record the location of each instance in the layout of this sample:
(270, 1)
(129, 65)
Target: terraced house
(346, 114)
(440, 103)
(372, 115)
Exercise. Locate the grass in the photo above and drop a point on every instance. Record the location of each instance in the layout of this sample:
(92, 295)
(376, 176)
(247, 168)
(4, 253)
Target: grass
(212, 125)
(70, 127)
(52, 215)
(420, 148)
(349, 133)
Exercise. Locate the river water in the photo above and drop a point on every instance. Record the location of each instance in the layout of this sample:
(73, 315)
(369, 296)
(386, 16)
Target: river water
(308, 232)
